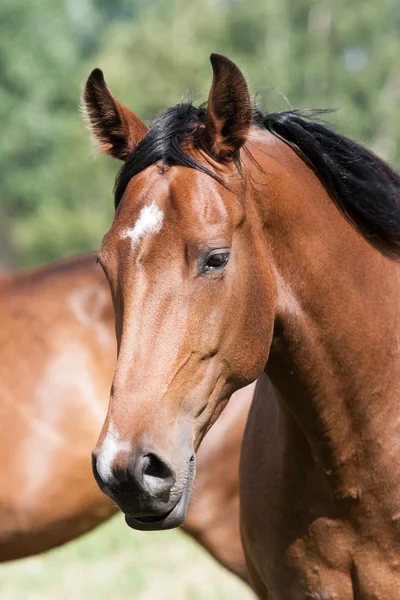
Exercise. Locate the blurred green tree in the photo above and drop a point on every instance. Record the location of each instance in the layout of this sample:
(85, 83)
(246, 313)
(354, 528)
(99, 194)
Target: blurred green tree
(52, 199)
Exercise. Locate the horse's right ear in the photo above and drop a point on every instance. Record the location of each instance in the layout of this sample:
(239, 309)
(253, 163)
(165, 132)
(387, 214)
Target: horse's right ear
(115, 129)
(229, 110)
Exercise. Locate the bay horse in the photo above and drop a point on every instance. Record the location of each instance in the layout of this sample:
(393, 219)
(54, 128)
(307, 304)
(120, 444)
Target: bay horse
(57, 357)
(246, 242)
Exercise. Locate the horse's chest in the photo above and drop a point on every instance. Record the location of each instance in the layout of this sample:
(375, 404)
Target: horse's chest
(298, 547)
(306, 572)
(333, 563)
(329, 562)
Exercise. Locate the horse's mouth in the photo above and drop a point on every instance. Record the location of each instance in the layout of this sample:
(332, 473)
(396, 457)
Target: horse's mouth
(165, 521)
(169, 520)
(153, 519)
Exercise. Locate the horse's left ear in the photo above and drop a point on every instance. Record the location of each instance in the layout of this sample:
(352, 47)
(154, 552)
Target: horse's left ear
(229, 109)
(115, 129)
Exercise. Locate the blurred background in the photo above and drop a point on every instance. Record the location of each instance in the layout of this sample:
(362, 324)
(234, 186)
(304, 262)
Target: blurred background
(56, 200)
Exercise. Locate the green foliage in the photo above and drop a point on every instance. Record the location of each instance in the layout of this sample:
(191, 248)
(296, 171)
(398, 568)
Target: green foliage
(55, 200)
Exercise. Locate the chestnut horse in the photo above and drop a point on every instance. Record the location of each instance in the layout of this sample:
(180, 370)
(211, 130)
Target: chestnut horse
(245, 242)
(57, 359)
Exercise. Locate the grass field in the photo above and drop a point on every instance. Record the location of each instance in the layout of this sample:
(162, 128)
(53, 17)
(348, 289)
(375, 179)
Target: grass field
(116, 563)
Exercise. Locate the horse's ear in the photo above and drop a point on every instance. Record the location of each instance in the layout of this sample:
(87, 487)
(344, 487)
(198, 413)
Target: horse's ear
(229, 109)
(115, 129)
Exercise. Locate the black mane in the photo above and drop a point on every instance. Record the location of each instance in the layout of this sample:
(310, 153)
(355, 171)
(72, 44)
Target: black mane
(164, 142)
(364, 187)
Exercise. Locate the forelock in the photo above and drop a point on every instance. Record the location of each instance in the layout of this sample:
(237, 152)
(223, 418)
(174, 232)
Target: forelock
(167, 142)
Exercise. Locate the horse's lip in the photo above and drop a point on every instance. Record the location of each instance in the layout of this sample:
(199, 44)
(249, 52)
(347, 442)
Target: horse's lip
(154, 519)
(169, 520)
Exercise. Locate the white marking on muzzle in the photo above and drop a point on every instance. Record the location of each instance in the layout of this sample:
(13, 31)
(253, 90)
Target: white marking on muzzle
(149, 221)
(110, 448)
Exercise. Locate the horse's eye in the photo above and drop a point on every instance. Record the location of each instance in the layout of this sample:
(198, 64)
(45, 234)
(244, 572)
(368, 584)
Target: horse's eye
(216, 260)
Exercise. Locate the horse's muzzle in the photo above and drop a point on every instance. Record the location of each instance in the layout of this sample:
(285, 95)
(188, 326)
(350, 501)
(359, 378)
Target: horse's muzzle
(147, 491)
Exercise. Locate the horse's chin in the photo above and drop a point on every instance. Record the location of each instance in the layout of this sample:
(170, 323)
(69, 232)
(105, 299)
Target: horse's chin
(169, 520)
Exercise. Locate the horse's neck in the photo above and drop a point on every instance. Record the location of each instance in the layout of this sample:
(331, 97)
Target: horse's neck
(335, 351)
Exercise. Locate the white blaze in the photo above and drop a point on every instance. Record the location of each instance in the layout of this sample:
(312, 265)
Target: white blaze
(110, 447)
(149, 221)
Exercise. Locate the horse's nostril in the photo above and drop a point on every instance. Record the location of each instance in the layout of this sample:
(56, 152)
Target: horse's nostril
(143, 478)
(153, 466)
(154, 476)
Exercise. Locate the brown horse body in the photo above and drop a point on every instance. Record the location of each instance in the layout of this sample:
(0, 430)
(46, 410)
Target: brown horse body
(57, 360)
(241, 243)
(57, 356)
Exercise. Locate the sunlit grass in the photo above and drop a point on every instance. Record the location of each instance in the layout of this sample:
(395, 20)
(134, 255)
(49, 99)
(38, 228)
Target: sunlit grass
(116, 563)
